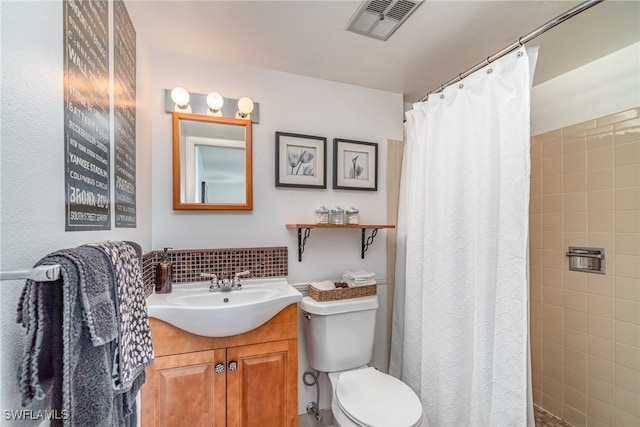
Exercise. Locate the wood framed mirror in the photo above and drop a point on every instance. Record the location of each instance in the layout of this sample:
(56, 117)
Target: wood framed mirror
(212, 167)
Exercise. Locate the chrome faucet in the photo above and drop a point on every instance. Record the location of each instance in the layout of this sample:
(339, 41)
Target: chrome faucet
(215, 284)
(236, 279)
(225, 285)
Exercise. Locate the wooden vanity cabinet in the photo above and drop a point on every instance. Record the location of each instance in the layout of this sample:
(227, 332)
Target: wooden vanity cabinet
(240, 381)
(187, 391)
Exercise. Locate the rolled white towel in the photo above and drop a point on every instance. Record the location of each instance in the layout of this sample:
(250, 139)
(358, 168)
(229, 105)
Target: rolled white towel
(324, 285)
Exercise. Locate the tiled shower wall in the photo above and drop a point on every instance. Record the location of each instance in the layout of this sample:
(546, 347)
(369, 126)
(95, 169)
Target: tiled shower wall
(585, 328)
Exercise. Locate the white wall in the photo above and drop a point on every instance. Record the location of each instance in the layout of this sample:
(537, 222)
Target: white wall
(608, 85)
(288, 103)
(293, 104)
(32, 163)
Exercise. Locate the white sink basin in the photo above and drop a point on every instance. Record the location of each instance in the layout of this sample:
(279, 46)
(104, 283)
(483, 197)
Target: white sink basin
(192, 308)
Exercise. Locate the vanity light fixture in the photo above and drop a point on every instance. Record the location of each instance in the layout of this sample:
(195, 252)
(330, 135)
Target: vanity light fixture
(245, 107)
(180, 97)
(212, 104)
(215, 101)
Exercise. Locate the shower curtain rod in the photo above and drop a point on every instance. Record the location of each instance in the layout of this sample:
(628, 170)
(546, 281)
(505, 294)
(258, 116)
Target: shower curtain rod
(521, 41)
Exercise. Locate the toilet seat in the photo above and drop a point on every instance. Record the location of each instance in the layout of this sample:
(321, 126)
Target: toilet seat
(373, 399)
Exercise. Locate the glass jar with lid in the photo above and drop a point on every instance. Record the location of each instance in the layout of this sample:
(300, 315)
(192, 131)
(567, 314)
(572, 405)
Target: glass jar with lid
(337, 216)
(322, 215)
(353, 216)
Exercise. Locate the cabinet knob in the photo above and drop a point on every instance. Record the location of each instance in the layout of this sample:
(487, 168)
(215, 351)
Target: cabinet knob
(233, 365)
(219, 368)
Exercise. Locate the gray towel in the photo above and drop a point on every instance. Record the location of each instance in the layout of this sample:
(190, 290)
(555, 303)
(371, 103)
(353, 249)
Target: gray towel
(96, 289)
(40, 312)
(135, 350)
(60, 352)
(61, 357)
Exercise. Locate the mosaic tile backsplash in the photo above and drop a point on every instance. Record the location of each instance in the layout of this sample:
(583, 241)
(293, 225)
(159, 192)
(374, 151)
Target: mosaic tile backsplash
(188, 264)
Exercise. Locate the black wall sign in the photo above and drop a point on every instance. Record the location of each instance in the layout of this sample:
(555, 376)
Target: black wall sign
(86, 115)
(124, 64)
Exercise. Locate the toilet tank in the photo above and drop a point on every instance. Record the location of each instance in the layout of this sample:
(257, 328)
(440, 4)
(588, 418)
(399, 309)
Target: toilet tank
(339, 334)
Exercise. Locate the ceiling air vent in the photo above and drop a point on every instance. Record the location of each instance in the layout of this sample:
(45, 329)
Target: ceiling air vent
(380, 18)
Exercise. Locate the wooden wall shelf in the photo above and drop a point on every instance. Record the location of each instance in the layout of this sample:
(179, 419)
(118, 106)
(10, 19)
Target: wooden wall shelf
(366, 241)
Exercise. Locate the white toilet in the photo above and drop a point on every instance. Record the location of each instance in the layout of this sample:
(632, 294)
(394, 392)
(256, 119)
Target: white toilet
(339, 337)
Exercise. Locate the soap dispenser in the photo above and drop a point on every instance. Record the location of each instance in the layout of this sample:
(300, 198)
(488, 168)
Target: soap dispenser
(164, 273)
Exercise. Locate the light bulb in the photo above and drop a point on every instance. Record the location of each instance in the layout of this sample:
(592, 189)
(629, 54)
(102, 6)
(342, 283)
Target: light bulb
(245, 107)
(180, 97)
(215, 101)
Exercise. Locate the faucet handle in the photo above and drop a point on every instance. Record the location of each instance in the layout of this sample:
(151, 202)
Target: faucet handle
(215, 284)
(213, 277)
(236, 278)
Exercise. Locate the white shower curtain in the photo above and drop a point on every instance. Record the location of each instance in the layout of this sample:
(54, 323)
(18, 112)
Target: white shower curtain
(460, 322)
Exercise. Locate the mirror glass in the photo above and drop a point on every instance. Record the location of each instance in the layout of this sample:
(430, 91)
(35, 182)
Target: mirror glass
(211, 163)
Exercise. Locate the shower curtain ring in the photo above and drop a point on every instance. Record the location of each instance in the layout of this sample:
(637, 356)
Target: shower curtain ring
(488, 62)
(520, 41)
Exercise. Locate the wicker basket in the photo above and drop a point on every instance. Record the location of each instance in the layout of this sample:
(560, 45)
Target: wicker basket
(342, 291)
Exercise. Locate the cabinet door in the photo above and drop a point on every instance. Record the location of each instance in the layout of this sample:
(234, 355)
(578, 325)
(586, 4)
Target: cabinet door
(185, 390)
(263, 390)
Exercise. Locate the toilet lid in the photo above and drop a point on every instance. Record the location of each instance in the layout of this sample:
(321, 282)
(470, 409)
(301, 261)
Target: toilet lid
(374, 399)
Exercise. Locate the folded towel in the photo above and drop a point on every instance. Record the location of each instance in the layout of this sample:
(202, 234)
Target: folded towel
(359, 278)
(360, 274)
(352, 283)
(135, 350)
(324, 285)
